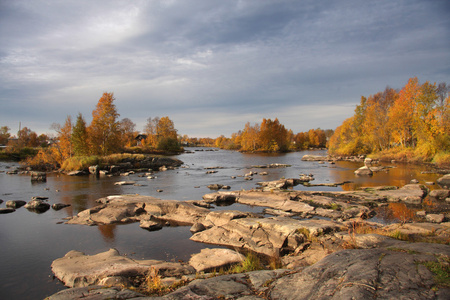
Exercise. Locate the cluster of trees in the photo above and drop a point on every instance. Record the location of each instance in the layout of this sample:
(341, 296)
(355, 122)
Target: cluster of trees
(105, 135)
(272, 136)
(416, 118)
(25, 138)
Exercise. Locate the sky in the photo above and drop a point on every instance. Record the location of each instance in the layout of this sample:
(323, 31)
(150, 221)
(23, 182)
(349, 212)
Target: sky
(213, 65)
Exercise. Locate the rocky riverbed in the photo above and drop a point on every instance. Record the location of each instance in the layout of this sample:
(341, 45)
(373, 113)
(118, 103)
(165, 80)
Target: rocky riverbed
(311, 245)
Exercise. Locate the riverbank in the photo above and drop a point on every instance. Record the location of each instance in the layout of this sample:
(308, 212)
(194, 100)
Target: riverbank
(312, 244)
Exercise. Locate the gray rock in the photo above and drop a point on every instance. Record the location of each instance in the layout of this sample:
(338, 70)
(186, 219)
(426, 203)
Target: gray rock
(444, 181)
(133, 208)
(435, 218)
(364, 171)
(128, 182)
(197, 227)
(309, 157)
(6, 210)
(38, 205)
(76, 269)
(268, 236)
(76, 173)
(150, 225)
(38, 176)
(440, 194)
(95, 170)
(59, 206)
(15, 203)
(410, 193)
(360, 274)
(214, 259)
(97, 292)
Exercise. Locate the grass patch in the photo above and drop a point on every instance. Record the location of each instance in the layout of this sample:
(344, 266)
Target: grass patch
(250, 263)
(84, 162)
(441, 270)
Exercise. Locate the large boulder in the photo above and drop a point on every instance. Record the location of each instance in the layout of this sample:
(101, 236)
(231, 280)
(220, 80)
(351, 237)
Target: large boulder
(76, 269)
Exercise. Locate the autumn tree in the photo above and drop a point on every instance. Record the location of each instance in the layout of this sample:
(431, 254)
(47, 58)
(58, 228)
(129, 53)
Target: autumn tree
(273, 136)
(104, 130)
(128, 132)
(167, 135)
(64, 137)
(79, 138)
(4, 135)
(151, 132)
(250, 137)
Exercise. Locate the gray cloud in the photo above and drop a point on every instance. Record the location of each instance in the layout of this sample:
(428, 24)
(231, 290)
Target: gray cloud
(211, 66)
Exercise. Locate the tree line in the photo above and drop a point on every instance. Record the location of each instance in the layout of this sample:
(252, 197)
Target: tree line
(272, 136)
(413, 122)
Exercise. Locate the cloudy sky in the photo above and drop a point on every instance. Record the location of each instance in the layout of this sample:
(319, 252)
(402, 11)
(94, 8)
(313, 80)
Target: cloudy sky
(213, 65)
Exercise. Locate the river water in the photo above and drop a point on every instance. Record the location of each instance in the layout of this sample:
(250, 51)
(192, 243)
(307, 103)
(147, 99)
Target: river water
(29, 242)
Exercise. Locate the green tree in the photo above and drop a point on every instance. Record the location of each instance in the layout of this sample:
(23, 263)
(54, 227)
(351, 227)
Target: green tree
(104, 130)
(80, 137)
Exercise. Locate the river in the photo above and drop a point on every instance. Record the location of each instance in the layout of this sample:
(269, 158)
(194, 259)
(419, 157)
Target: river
(30, 241)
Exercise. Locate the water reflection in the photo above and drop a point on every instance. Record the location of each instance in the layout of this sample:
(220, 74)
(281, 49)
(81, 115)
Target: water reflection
(108, 232)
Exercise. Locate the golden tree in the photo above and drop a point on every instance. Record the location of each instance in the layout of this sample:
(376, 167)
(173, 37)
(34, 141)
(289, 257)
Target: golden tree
(104, 130)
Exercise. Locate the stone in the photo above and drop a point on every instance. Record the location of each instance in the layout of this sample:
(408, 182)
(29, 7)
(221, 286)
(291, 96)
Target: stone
(268, 236)
(444, 181)
(7, 210)
(76, 269)
(59, 206)
(364, 171)
(37, 205)
(410, 193)
(224, 197)
(440, 194)
(95, 170)
(128, 182)
(38, 176)
(150, 225)
(215, 186)
(197, 227)
(435, 218)
(133, 208)
(97, 292)
(15, 203)
(76, 173)
(360, 274)
(309, 157)
(215, 259)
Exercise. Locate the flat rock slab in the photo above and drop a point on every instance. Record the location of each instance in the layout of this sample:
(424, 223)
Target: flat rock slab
(214, 259)
(267, 236)
(410, 193)
(76, 269)
(362, 274)
(134, 208)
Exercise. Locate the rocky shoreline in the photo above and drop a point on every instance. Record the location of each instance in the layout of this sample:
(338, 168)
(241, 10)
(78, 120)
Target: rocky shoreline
(312, 245)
